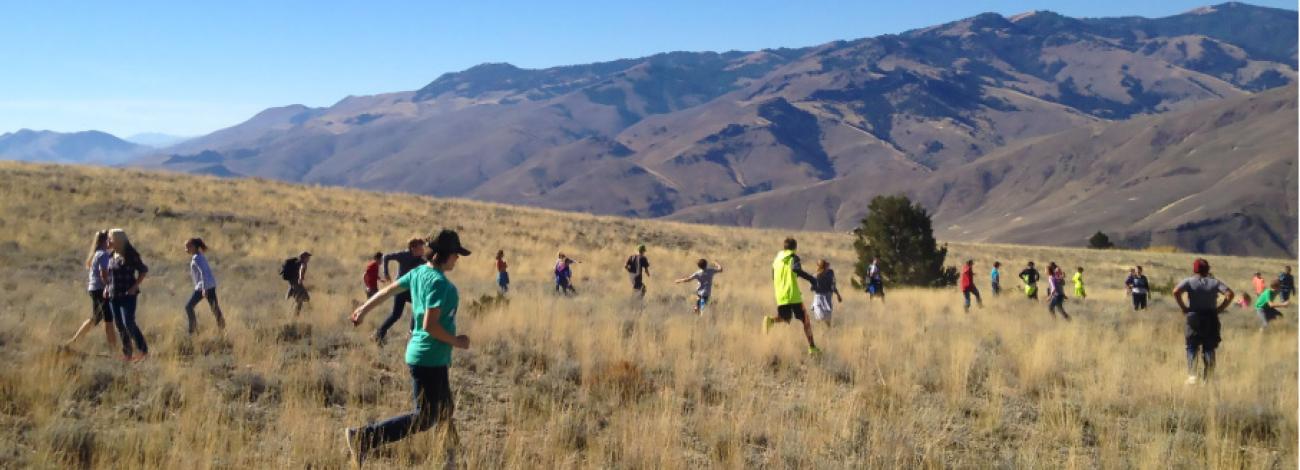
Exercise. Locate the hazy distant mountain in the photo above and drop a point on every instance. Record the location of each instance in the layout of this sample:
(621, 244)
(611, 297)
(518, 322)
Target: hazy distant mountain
(155, 139)
(659, 135)
(92, 147)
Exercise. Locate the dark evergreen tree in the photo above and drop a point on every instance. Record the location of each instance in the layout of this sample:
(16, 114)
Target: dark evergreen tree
(900, 235)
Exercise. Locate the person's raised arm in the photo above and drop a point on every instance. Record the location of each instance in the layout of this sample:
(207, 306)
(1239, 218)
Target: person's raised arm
(435, 329)
(798, 271)
(685, 279)
(717, 267)
(380, 297)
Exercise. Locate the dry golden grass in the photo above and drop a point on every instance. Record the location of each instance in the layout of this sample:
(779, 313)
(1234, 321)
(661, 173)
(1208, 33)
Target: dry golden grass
(599, 380)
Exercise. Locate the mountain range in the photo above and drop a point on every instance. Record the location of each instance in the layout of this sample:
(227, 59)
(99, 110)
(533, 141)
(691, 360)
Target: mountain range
(86, 147)
(1033, 128)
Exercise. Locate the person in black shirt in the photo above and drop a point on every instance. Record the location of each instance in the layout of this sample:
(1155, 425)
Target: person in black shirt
(406, 260)
(1138, 288)
(1288, 284)
(638, 265)
(1030, 277)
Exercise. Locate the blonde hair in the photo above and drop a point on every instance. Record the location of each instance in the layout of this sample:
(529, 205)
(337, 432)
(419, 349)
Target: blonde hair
(122, 244)
(101, 237)
(822, 265)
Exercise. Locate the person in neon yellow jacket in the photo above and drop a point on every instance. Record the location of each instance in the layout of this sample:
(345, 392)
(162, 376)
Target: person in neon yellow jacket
(789, 301)
(1078, 284)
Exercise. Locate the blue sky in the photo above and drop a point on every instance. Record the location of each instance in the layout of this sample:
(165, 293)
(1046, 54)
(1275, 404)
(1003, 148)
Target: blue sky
(189, 68)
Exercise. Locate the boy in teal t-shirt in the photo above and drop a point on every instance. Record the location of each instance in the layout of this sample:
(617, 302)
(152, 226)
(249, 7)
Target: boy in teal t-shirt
(430, 289)
(428, 353)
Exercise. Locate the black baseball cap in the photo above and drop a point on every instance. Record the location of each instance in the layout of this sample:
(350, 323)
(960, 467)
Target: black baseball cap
(447, 241)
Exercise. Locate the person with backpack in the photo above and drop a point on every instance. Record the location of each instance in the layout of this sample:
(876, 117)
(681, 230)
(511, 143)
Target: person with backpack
(786, 270)
(126, 272)
(704, 283)
(995, 278)
(1139, 288)
(1201, 309)
(205, 284)
(967, 284)
(1287, 283)
(1264, 306)
(294, 271)
(1056, 290)
(410, 258)
(96, 268)
(370, 278)
(564, 275)
(822, 289)
(875, 282)
(503, 276)
(638, 266)
(1029, 276)
(435, 302)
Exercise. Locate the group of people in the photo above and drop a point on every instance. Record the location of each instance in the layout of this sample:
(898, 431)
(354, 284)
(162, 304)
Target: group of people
(116, 272)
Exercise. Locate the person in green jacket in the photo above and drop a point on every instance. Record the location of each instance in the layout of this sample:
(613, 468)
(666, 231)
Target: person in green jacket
(789, 301)
(1266, 308)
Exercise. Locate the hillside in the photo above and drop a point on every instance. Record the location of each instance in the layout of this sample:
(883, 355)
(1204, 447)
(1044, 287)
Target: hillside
(660, 135)
(1217, 178)
(89, 147)
(600, 379)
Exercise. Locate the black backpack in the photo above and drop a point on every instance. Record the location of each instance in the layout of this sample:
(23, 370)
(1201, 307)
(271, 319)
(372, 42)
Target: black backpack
(631, 264)
(289, 270)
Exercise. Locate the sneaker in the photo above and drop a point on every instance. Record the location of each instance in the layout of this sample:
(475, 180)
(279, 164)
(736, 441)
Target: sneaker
(1191, 380)
(814, 351)
(767, 324)
(353, 446)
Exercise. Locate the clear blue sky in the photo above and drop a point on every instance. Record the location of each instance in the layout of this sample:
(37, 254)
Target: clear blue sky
(188, 68)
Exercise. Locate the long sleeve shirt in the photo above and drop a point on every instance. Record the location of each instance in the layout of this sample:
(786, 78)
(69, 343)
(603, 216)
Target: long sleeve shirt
(201, 273)
(406, 261)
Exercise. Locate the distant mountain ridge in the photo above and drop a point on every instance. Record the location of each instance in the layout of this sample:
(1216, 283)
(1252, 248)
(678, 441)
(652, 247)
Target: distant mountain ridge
(681, 133)
(89, 147)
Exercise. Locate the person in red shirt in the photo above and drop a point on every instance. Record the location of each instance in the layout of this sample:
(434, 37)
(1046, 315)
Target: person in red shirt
(371, 278)
(968, 285)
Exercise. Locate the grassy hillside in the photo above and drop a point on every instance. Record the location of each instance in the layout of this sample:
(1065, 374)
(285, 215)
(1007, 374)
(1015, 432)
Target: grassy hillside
(601, 379)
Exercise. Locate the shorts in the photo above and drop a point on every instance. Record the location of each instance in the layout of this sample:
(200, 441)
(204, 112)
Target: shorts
(297, 292)
(637, 282)
(1202, 330)
(1286, 294)
(822, 307)
(1139, 301)
(788, 311)
(99, 310)
(701, 301)
(1268, 313)
(875, 287)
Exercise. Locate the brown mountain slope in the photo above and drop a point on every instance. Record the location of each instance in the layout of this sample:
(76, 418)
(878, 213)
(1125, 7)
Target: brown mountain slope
(658, 135)
(1217, 178)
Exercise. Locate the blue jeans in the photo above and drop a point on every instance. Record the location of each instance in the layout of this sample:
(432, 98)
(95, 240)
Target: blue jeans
(503, 281)
(399, 305)
(433, 404)
(966, 293)
(123, 308)
(211, 295)
(1056, 303)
